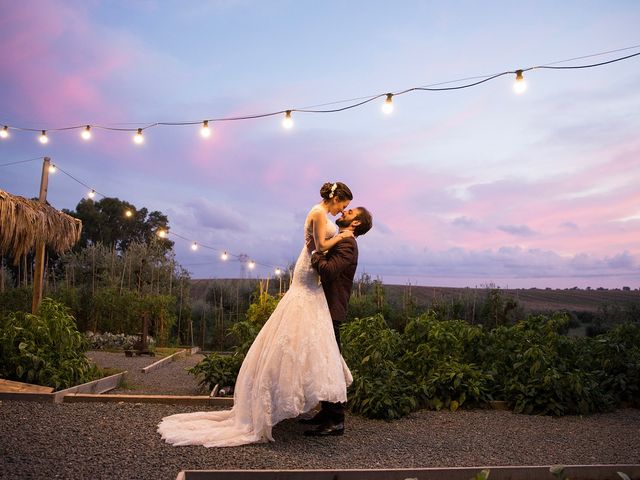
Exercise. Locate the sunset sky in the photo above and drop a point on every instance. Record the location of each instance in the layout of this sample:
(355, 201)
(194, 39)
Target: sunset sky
(467, 187)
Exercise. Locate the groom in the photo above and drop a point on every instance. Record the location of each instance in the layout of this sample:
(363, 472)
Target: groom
(337, 268)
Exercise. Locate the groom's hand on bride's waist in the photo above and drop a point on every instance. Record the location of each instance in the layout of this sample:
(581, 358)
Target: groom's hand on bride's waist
(311, 246)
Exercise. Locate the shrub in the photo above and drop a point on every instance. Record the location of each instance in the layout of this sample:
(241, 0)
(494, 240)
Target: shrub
(218, 369)
(380, 388)
(45, 349)
(537, 370)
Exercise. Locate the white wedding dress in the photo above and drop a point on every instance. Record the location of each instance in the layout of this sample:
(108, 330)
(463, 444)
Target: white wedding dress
(293, 364)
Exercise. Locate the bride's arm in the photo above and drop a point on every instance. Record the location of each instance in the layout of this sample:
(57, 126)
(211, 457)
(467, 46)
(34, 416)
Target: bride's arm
(319, 222)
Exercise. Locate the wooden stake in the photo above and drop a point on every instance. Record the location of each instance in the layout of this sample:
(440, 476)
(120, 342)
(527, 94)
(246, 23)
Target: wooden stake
(39, 268)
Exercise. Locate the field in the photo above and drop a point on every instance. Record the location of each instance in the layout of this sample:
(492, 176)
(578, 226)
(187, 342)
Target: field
(532, 300)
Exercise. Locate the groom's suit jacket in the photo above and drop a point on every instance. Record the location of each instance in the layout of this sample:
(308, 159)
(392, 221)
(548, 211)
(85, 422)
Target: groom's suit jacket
(337, 268)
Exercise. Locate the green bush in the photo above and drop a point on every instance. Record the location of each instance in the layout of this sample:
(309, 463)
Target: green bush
(615, 357)
(532, 365)
(380, 388)
(218, 369)
(538, 370)
(429, 365)
(45, 349)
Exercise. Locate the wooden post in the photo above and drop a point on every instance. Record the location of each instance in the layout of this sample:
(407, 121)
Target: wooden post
(39, 269)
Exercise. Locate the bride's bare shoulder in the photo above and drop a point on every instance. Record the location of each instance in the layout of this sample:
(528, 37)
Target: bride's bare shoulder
(316, 212)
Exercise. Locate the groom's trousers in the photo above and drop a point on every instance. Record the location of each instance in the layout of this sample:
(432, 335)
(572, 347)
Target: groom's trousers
(334, 411)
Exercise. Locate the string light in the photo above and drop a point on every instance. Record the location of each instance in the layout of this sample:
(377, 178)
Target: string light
(161, 232)
(287, 122)
(205, 131)
(86, 133)
(355, 102)
(138, 138)
(387, 106)
(520, 85)
(43, 137)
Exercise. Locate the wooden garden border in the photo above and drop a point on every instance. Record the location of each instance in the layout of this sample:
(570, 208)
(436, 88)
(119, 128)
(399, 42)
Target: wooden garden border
(162, 361)
(166, 399)
(575, 472)
(96, 386)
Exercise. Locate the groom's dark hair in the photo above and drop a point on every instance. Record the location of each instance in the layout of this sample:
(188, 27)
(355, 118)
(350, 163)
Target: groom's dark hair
(366, 222)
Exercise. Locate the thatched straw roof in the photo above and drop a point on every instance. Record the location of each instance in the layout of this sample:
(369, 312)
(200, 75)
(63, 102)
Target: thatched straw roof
(24, 222)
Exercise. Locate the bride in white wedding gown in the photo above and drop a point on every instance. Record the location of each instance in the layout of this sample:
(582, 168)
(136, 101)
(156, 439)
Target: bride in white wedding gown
(294, 362)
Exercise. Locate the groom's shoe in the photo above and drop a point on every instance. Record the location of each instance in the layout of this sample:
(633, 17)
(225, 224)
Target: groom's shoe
(326, 430)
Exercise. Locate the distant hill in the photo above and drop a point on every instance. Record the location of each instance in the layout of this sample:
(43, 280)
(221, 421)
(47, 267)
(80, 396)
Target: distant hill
(532, 300)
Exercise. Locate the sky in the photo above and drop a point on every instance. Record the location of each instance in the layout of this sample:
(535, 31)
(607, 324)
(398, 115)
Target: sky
(467, 187)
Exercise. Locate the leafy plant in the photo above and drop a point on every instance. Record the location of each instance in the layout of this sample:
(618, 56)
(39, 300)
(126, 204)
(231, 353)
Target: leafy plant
(45, 349)
(218, 369)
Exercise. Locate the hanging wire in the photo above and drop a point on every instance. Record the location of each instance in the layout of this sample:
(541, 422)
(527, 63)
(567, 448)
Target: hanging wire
(21, 161)
(359, 101)
(169, 232)
(80, 182)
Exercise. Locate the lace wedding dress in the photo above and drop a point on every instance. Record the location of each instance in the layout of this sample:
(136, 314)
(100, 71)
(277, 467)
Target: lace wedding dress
(293, 364)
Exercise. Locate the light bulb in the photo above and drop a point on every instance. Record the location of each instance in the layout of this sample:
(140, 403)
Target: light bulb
(43, 137)
(91, 194)
(205, 131)
(252, 265)
(138, 138)
(387, 106)
(128, 213)
(278, 271)
(52, 168)
(287, 122)
(520, 85)
(86, 133)
(162, 233)
(224, 256)
(4, 133)
(194, 246)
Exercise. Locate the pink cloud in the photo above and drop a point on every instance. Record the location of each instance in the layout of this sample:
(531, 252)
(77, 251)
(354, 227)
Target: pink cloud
(56, 64)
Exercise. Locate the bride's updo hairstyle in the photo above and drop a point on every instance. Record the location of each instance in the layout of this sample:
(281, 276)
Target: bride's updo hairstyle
(338, 189)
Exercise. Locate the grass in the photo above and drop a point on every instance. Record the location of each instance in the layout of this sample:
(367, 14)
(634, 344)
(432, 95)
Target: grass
(166, 351)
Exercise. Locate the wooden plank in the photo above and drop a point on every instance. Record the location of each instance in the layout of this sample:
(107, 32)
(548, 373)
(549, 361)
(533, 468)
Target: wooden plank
(162, 361)
(96, 386)
(12, 386)
(535, 472)
(165, 399)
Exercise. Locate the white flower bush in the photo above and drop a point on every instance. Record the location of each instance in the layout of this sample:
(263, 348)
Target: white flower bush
(107, 340)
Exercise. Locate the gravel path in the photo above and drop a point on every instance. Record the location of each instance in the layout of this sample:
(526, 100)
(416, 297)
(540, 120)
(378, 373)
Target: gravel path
(171, 378)
(88, 440)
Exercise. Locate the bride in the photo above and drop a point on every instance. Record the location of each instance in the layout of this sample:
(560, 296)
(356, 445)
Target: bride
(294, 362)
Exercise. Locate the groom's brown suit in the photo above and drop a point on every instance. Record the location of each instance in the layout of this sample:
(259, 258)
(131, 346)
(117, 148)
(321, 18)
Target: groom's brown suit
(336, 269)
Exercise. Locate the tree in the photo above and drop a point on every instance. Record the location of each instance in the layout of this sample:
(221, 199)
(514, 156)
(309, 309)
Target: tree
(106, 222)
